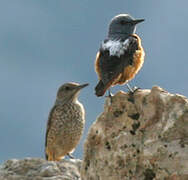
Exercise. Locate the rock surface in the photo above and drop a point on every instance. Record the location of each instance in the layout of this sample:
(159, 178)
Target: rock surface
(40, 169)
(139, 137)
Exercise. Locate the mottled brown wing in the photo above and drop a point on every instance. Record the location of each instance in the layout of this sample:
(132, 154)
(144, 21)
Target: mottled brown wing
(48, 128)
(112, 66)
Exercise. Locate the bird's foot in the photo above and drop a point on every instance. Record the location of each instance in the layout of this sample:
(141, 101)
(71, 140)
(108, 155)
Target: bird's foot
(131, 93)
(132, 90)
(110, 95)
(70, 156)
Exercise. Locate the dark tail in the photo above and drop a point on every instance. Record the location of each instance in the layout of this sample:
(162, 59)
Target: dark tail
(100, 89)
(46, 156)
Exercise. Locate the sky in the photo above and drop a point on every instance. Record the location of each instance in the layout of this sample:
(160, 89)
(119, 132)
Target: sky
(45, 43)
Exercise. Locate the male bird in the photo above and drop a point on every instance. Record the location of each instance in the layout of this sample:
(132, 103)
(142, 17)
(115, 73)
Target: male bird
(65, 123)
(121, 55)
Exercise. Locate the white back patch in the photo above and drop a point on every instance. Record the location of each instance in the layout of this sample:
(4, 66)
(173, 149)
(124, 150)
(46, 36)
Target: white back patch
(116, 48)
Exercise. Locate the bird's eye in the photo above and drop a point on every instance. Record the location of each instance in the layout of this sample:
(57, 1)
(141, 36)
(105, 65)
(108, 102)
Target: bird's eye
(67, 88)
(122, 22)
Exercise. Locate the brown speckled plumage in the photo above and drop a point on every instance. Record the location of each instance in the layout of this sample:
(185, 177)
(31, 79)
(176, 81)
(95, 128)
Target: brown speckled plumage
(65, 124)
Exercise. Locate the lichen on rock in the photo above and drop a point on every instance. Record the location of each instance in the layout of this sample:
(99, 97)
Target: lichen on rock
(141, 136)
(40, 169)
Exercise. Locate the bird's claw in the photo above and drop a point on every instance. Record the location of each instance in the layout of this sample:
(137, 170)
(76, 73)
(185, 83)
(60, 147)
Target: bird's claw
(110, 95)
(134, 89)
(70, 156)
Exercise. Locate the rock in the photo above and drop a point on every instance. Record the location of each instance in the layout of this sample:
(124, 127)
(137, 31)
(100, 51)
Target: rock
(40, 169)
(141, 137)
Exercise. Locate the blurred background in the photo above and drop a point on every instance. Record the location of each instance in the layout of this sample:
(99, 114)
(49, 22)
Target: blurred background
(45, 43)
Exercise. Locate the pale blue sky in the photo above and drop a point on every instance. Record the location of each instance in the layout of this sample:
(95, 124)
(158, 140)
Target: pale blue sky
(45, 43)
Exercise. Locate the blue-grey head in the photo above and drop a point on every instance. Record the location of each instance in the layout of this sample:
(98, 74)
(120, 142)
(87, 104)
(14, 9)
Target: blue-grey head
(122, 25)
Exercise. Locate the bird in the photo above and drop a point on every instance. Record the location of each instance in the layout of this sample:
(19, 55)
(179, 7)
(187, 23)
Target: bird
(65, 123)
(120, 55)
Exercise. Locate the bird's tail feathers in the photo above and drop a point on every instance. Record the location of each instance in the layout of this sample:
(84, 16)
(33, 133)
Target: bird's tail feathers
(46, 156)
(100, 89)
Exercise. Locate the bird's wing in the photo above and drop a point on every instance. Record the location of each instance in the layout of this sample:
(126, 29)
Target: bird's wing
(48, 127)
(110, 66)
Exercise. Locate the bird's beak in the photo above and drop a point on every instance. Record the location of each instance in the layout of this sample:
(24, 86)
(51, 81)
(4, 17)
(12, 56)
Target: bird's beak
(136, 21)
(82, 86)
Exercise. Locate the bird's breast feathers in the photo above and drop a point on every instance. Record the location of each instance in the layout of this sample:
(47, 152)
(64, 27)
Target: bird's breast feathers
(115, 47)
(82, 109)
(119, 60)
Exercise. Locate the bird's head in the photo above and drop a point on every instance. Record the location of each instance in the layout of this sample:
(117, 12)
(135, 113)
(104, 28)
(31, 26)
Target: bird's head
(69, 92)
(122, 25)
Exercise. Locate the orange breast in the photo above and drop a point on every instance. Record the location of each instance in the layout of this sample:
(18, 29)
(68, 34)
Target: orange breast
(97, 69)
(131, 70)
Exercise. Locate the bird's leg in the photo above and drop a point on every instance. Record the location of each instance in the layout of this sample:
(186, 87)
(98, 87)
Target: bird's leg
(129, 87)
(132, 90)
(70, 156)
(109, 93)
